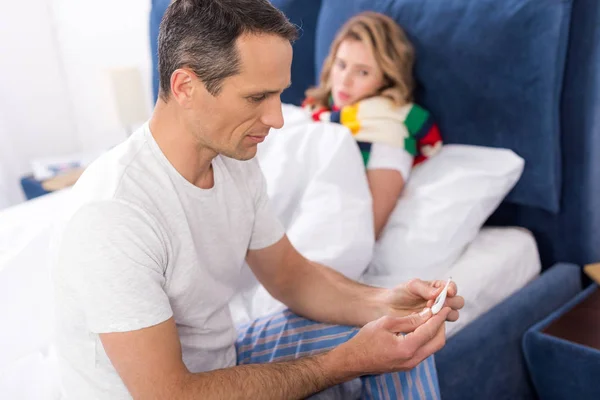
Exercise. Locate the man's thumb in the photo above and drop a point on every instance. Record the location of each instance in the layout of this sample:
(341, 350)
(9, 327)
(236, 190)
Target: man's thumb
(408, 323)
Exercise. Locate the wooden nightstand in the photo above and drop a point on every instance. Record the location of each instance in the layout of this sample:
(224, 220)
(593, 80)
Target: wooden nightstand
(563, 351)
(581, 324)
(34, 188)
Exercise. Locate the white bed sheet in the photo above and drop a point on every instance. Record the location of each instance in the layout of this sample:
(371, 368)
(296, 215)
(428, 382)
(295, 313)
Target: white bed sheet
(496, 264)
(20, 224)
(27, 363)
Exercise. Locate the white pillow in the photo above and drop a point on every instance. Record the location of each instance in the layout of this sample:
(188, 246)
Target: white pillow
(444, 204)
(318, 188)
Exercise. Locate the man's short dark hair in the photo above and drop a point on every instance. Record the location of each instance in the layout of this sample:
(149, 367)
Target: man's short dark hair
(201, 35)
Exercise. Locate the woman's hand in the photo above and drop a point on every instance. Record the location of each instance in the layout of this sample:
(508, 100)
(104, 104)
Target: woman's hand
(415, 295)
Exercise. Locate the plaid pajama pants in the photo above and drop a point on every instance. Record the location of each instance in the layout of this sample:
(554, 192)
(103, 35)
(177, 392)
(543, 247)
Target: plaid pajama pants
(286, 336)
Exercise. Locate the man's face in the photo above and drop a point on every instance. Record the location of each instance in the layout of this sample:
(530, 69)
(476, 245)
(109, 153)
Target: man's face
(248, 105)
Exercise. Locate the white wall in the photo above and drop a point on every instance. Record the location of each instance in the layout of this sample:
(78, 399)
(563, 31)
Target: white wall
(35, 111)
(95, 36)
(56, 96)
(10, 192)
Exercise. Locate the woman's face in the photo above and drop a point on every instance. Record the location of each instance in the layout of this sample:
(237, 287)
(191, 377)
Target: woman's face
(355, 73)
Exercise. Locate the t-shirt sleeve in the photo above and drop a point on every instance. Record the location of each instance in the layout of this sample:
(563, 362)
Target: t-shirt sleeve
(114, 256)
(385, 156)
(268, 229)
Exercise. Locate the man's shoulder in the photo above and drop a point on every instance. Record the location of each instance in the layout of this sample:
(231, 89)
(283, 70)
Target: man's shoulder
(128, 172)
(87, 218)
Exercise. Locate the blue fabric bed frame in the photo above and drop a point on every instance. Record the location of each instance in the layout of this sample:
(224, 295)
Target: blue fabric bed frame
(519, 74)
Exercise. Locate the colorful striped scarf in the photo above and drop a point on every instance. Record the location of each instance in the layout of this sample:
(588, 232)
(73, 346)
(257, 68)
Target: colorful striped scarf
(378, 120)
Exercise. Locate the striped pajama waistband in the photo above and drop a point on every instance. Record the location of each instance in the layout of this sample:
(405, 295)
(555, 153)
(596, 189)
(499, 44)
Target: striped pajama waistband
(286, 336)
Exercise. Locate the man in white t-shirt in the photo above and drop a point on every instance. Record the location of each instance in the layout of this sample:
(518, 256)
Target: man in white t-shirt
(152, 253)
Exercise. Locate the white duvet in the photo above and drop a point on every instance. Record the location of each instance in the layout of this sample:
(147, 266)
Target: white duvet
(317, 186)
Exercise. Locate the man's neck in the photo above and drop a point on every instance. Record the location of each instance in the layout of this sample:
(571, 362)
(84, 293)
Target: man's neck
(192, 160)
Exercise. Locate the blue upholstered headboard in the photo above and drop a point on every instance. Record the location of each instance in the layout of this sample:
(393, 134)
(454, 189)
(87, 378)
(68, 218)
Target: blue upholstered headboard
(519, 74)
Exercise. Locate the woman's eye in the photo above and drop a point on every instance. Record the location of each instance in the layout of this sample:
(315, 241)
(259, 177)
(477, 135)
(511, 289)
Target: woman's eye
(340, 64)
(363, 72)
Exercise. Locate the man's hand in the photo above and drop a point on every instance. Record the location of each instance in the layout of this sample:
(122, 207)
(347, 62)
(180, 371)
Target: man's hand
(149, 361)
(322, 294)
(414, 295)
(391, 344)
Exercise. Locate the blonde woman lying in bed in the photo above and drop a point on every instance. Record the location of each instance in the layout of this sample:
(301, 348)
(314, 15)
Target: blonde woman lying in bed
(367, 85)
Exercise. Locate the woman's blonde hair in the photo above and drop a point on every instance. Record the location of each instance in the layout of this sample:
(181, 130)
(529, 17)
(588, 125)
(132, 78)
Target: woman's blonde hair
(392, 50)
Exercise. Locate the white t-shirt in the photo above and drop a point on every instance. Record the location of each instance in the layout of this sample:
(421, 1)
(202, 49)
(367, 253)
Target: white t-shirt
(142, 245)
(386, 156)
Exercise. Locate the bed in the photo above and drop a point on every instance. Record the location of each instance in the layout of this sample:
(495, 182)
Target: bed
(497, 263)
(27, 364)
(517, 74)
(317, 187)
(537, 64)
(321, 195)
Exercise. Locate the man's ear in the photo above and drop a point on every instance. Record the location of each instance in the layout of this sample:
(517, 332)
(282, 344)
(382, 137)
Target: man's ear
(182, 86)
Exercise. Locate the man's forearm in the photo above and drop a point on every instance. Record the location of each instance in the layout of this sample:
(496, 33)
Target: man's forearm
(323, 294)
(295, 379)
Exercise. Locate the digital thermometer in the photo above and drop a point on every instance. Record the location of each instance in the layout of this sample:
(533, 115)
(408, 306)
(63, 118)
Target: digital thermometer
(441, 299)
